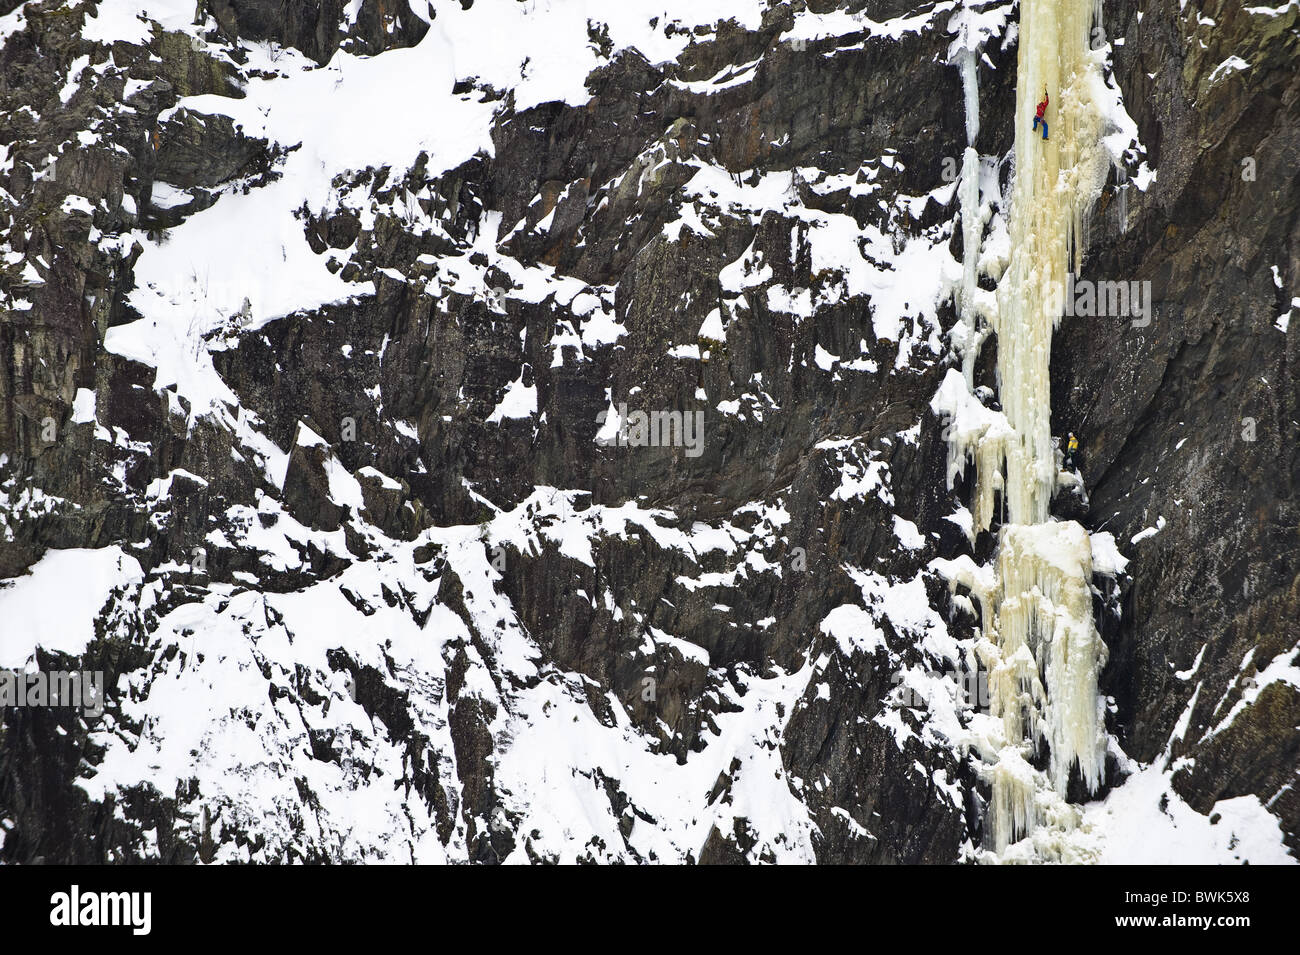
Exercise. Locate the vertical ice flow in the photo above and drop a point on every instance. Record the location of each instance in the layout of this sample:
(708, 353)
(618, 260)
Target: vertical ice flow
(1056, 183)
(969, 337)
(1039, 643)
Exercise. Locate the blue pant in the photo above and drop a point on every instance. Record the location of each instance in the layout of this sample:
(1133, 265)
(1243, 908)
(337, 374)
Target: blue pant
(1039, 119)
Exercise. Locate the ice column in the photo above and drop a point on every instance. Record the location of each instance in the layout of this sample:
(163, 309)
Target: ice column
(965, 50)
(1039, 643)
(1043, 675)
(1056, 182)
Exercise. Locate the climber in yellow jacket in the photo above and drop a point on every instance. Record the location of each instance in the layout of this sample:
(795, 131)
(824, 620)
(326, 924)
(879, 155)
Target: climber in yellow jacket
(1071, 451)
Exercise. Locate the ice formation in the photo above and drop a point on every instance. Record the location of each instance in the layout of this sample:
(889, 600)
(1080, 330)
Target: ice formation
(1039, 642)
(968, 337)
(1056, 182)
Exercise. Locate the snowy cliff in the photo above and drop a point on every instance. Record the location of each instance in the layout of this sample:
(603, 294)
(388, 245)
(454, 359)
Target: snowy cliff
(545, 430)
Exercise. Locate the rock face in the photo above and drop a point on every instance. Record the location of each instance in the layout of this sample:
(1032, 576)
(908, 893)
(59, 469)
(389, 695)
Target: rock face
(342, 321)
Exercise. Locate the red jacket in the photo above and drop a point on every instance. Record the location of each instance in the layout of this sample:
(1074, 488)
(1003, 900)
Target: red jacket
(1042, 107)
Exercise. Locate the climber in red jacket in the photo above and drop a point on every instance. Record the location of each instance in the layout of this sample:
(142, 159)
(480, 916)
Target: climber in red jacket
(1040, 118)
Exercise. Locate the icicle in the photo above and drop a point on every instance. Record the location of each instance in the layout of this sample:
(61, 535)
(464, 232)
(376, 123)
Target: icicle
(972, 227)
(1121, 180)
(968, 337)
(971, 90)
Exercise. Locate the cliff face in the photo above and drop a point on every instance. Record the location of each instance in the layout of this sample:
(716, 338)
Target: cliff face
(315, 324)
